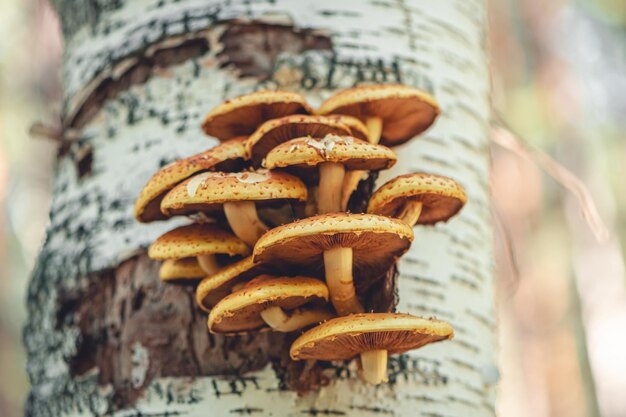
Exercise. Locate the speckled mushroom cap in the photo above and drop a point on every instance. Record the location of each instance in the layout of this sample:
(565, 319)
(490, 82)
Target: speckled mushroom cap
(196, 240)
(376, 242)
(215, 287)
(208, 191)
(242, 115)
(442, 197)
(406, 111)
(181, 270)
(274, 132)
(240, 311)
(227, 156)
(345, 337)
(353, 153)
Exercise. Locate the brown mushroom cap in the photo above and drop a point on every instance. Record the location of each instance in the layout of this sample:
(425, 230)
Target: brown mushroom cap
(376, 242)
(215, 287)
(352, 153)
(241, 310)
(182, 270)
(196, 240)
(242, 115)
(208, 191)
(345, 337)
(274, 132)
(442, 197)
(227, 156)
(405, 111)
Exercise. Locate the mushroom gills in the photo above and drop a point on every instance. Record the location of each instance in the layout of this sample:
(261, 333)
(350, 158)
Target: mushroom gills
(330, 187)
(208, 263)
(244, 221)
(411, 211)
(278, 320)
(374, 363)
(338, 270)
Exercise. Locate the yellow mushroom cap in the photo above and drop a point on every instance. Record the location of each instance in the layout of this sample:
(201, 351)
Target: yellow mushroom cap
(196, 240)
(441, 197)
(208, 191)
(242, 115)
(181, 270)
(406, 111)
(241, 310)
(345, 337)
(353, 153)
(227, 156)
(215, 287)
(376, 242)
(274, 132)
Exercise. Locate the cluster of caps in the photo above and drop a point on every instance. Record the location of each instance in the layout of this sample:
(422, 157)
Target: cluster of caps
(273, 244)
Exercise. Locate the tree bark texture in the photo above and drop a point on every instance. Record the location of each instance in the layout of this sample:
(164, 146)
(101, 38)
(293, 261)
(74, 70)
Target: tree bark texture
(104, 336)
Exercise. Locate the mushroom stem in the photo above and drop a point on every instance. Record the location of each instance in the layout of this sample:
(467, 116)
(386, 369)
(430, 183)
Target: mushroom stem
(330, 187)
(244, 220)
(338, 269)
(278, 320)
(350, 182)
(374, 363)
(209, 264)
(410, 213)
(375, 129)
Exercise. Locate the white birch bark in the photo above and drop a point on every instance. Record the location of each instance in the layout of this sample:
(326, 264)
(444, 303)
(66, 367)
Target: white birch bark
(448, 272)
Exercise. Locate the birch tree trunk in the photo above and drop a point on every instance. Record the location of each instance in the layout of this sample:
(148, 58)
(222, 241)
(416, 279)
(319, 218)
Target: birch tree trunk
(105, 337)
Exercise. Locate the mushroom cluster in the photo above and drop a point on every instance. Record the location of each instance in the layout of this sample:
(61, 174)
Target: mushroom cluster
(273, 246)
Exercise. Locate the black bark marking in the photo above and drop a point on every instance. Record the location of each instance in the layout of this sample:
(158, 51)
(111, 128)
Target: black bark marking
(138, 73)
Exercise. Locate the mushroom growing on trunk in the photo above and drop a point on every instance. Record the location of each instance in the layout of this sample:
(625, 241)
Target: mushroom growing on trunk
(185, 270)
(392, 113)
(237, 195)
(284, 304)
(244, 114)
(274, 132)
(217, 286)
(331, 157)
(418, 198)
(372, 337)
(348, 245)
(228, 156)
(202, 241)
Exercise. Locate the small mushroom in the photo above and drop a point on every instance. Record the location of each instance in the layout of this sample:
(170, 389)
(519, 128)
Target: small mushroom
(215, 287)
(372, 336)
(181, 270)
(365, 245)
(284, 304)
(202, 241)
(418, 198)
(242, 115)
(274, 132)
(392, 113)
(332, 155)
(227, 156)
(237, 195)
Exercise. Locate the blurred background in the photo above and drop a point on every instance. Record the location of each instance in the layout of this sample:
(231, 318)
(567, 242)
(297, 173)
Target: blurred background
(559, 79)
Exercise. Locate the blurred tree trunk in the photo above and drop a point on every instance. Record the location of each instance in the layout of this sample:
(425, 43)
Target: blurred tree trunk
(105, 336)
